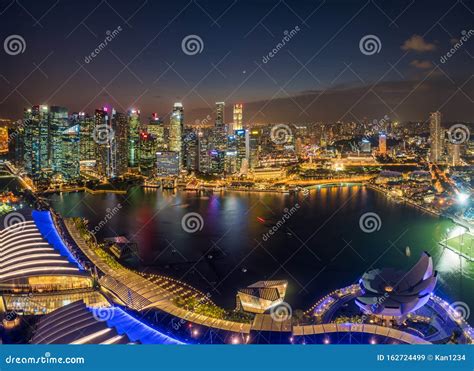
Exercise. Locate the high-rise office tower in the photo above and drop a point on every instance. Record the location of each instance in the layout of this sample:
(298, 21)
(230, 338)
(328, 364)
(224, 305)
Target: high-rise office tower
(157, 130)
(176, 129)
(58, 121)
(382, 144)
(220, 129)
(190, 150)
(241, 148)
(121, 145)
(253, 147)
(133, 137)
(148, 152)
(103, 137)
(436, 137)
(69, 162)
(238, 121)
(204, 149)
(87, 148)
(37, 142)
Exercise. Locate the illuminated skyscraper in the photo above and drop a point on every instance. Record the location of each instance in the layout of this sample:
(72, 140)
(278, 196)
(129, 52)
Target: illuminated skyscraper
(238, 121)
(156, 129)
(121, 144)
(103, 138)
(3, 139)
(176, 129)
(220, 129)
(87, 150)
(36, 141)
(382, 144)
(147, 154)
(436, 137)
(133, 137)
(253, 147)
(58, 121)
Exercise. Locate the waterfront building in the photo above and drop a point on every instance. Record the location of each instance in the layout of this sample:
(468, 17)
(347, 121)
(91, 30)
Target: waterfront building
(388, 292)
(176, 129)
(167, 163)
(204, 149)
(87, 147)
(3, 140)
(382, 144)
(217, 162)
(436, 137)
(253, 147)
(157, 130)
(36, 261)
(64, 145)
(190, 150)
(147, 163)
(121, 145)
(220, 128)
(133, 137)
(238, 117)
(261, 296)
(37, 142)
(103, 137)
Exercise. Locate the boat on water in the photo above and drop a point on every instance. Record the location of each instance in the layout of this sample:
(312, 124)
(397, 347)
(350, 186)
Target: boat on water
(407, 251)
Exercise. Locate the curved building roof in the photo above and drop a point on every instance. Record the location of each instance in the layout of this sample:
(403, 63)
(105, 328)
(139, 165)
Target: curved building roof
(78, 324)
(33, 248)
(394, 293)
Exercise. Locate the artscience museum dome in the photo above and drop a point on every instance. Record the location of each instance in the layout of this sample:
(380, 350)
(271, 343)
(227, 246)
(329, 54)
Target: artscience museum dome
(390, 292)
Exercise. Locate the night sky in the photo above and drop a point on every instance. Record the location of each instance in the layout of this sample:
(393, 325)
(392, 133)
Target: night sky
(320, 74)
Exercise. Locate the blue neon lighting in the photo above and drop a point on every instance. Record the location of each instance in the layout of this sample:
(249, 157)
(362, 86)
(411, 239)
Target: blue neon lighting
(136, 330)
(45, 224)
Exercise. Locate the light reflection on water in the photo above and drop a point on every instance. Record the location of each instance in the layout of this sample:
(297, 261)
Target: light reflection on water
(319, 249)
